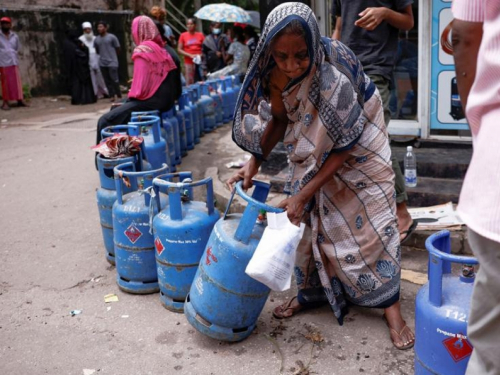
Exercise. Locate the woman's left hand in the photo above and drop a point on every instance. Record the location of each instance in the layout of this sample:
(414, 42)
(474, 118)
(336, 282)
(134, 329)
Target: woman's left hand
(294, 207)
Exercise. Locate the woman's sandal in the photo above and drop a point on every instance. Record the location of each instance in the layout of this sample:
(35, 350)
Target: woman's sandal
(407, 345)
(279, 311)
(408, 232)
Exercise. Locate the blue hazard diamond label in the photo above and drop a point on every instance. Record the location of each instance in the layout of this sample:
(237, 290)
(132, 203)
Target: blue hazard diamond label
(133, 233)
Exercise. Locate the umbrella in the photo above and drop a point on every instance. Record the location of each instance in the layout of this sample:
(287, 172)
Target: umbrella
(223, 13)
(255, 16)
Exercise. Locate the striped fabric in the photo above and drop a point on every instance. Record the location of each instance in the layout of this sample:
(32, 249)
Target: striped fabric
(479, 204)
(350, 250)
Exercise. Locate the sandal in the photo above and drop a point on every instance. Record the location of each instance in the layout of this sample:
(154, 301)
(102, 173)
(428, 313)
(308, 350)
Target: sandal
(405, 346)
(408, 232)
(279, 311)
(6, 107)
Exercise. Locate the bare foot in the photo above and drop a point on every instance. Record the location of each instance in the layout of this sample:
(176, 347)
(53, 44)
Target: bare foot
(404, 220)
(401, 335)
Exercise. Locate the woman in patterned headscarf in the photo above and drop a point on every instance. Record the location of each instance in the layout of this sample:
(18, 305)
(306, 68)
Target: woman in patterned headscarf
(156, 81)
(312, 93)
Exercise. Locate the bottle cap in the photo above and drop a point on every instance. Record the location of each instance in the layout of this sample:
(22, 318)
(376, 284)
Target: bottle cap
(409, 148)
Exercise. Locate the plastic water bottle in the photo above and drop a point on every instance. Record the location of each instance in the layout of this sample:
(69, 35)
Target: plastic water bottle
(410, 168)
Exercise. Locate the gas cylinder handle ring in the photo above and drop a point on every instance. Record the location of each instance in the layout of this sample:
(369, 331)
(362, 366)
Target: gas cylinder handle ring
(434, 251)
(176, 187)
(261, 205)
(149, 121)
(120, 173)
(109, 131)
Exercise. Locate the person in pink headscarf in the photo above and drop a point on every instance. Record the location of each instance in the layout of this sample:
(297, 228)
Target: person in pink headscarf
(156, 83)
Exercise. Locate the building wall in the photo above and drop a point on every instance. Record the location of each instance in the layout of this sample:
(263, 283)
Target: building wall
(86, 5)
(41, 33)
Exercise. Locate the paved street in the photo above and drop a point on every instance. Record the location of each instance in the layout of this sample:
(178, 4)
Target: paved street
(52, 262)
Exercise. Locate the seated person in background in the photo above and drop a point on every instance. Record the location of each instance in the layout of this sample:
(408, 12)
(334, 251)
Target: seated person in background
(238, 55)
(156, 81)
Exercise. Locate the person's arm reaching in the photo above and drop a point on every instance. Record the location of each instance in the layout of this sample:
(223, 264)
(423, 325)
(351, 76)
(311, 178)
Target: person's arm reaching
(372, 17)
(466, 39)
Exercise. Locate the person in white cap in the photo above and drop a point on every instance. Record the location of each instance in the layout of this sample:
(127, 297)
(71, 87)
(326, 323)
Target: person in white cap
(88, 37)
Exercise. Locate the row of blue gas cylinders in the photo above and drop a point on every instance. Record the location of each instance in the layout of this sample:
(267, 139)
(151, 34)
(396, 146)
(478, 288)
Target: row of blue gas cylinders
(164, 240)
(167, 137)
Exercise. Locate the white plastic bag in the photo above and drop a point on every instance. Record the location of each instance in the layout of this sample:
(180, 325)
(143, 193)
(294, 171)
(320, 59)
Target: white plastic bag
(273, 261)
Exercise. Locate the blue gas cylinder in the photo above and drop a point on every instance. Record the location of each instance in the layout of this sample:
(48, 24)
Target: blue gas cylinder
(131, 130)
(147, 134)
(170, 115)
(132, 232)
(231, 95)
(148, 113)
(197, 95)
(236, 84)
(215, 93)
(223, 302)
(194, 112)
(442, 311)
(106, 196)
(169, 138)
(226, 101)
(182, 130)
(188, 119)
(208, 106)
(181, 233)
(137, 116)
(154, 145)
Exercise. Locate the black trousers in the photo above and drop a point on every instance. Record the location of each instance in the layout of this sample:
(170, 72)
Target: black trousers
(163, 99)
(110, 75)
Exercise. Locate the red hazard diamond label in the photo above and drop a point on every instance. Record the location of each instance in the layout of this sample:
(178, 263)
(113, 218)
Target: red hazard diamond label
(159, 246)
(210, 256)
(133, 233)
(458, 347)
